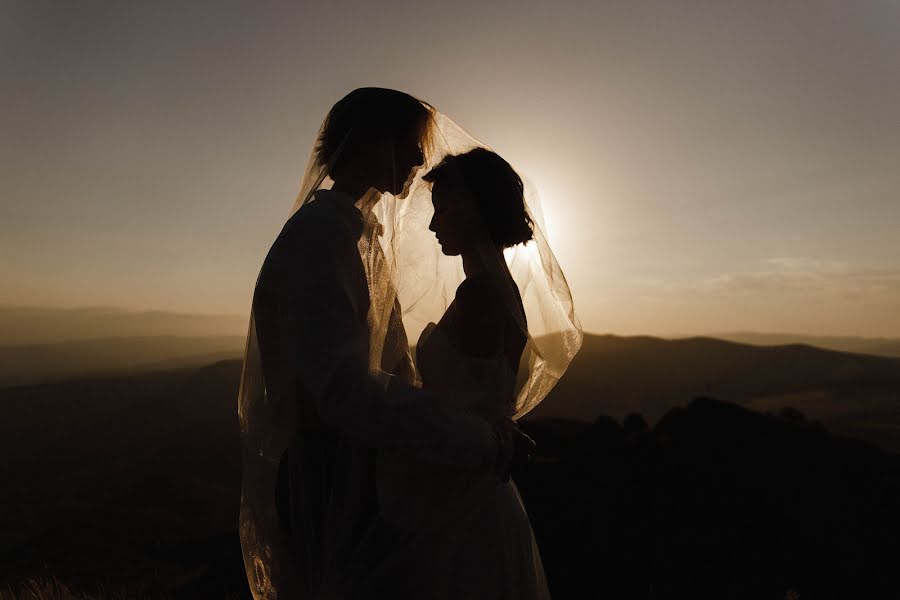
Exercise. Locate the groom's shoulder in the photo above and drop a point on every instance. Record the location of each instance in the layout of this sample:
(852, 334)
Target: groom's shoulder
(311, 215)
(309, 225)
(313, 229)
(321, 220)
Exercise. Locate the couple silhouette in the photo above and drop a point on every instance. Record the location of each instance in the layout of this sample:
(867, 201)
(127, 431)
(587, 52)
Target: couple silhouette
(369, 472)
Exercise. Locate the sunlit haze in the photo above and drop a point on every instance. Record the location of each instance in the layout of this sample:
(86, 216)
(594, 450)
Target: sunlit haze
(706, 166)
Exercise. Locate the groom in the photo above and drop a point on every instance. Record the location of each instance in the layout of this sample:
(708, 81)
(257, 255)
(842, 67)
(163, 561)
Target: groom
(312, 316)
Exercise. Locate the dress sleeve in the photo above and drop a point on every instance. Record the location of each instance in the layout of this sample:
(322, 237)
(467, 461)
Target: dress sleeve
(322, 309)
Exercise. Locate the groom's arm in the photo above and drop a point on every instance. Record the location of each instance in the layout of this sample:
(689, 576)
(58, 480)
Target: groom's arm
(405, 418)
(324, 323)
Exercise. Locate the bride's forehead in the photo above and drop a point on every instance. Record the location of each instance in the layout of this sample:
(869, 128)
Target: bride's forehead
(441, 195)
(447, 191)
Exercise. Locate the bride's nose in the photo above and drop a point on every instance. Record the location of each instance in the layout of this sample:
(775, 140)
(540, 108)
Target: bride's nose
(433, 224)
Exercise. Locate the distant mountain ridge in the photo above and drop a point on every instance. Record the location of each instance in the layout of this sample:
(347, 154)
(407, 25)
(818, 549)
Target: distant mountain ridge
(22, 325)
(41, 363)
(854, 394)
(879, 346)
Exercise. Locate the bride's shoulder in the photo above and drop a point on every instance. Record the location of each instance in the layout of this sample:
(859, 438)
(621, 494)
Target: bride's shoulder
(479, 294)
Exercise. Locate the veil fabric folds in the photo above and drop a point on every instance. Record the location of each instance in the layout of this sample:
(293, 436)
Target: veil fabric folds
(310, 532)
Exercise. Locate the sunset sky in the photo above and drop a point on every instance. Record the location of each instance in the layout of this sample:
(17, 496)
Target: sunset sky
(704, 166)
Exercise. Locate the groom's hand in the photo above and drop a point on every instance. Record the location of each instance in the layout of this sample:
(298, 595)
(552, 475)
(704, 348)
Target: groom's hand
(515, 449)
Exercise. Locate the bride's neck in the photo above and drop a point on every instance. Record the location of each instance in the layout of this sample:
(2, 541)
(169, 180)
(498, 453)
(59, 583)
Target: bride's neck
(473, 262)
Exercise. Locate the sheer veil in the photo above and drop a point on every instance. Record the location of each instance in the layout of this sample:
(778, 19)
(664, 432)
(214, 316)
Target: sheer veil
(407, 278)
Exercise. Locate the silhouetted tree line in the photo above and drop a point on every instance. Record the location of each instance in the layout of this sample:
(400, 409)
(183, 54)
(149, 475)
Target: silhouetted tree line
(715, 501)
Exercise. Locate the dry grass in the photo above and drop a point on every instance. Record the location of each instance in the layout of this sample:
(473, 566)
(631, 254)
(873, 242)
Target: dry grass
(52, 589)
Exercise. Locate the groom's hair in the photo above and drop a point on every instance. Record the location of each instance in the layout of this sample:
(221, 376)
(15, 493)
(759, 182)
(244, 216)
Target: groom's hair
(496, 189)
(368, 115)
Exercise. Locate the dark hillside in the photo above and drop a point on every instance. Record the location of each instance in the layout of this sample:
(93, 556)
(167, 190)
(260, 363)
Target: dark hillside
(716, 501)
(133, 482)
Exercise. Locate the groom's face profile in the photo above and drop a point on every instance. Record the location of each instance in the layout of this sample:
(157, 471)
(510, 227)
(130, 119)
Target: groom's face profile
(408, 157)
(388, 165)
(373, 138)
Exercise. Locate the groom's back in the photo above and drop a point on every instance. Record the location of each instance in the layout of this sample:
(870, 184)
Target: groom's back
(311, 295)
(311, 288)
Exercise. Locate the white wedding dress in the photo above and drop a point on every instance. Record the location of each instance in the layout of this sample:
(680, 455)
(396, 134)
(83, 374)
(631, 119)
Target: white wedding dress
(471, 535)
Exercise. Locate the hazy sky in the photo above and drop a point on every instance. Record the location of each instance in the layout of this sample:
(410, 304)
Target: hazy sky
(704, 165)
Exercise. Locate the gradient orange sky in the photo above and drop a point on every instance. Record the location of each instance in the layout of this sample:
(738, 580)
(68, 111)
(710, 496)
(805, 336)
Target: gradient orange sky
(704, 166)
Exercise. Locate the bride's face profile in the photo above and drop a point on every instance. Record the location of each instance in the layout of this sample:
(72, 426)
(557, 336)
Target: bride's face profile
(451, 222)
(478, 203)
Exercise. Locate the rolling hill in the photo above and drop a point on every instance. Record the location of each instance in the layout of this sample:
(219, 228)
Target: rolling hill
(858, 395)
(854, 394)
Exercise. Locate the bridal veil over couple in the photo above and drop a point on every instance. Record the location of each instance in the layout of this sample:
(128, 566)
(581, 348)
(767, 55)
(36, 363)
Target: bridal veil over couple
(372, 468)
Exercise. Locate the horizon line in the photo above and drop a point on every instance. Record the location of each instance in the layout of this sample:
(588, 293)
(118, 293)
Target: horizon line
(124, 310)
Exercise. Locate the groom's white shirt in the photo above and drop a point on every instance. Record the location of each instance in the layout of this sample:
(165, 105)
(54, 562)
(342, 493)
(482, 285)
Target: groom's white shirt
(314, 279)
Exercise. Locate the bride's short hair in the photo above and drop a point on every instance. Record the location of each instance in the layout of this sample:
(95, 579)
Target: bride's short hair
(496, 189)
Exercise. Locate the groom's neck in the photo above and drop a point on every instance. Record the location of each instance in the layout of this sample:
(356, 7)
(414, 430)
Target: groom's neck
(347, 190)
(352, 189)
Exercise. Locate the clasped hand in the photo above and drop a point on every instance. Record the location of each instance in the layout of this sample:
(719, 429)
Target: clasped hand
(515, 450)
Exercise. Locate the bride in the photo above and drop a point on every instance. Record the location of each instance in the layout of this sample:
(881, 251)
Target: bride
(474, 536)
(367, 474)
